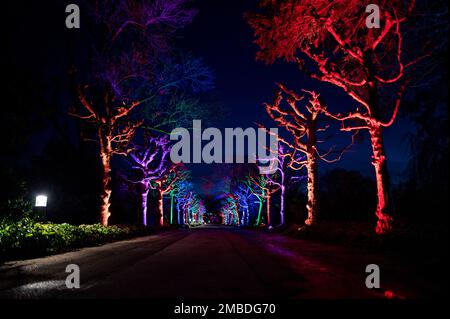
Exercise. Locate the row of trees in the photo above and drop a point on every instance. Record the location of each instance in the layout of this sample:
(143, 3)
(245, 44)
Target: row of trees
(140, 84)
(140, 88)
(331, 42)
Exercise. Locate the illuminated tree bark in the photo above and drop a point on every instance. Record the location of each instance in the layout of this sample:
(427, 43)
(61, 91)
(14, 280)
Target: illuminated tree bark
(144, 202)
(268, 209)
(160, 217)
(283, 190)
(311, 168)
(379, 162)
(105, 195)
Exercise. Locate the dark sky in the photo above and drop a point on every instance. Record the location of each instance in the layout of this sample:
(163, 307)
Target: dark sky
(38, 48)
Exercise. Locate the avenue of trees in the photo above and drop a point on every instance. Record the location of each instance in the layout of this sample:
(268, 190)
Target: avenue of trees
(131, 85)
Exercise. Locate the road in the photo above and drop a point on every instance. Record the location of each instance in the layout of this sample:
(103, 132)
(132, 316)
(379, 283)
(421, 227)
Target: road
(209, 262)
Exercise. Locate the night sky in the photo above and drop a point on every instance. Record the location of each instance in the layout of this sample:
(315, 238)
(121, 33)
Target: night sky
(219, 35)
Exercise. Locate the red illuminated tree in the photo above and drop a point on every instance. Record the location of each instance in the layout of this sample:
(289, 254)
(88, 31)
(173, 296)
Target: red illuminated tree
(165, 184)
(114, 133)
(368, 64)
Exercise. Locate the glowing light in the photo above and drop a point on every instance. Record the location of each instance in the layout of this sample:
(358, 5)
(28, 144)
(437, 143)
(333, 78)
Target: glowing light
(41, 201)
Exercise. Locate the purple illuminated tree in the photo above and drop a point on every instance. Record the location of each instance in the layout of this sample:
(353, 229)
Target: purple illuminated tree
(158, 17)
(148, 164)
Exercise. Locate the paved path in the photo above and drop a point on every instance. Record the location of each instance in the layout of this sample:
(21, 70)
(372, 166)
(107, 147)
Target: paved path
(206, 262)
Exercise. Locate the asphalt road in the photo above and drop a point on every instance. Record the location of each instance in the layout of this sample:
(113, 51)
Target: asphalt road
(210, 262)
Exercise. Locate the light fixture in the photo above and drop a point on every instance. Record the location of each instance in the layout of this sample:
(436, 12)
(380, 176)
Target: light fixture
(41, 201)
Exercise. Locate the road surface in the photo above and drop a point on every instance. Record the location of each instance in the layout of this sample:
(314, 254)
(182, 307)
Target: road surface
(209, 262)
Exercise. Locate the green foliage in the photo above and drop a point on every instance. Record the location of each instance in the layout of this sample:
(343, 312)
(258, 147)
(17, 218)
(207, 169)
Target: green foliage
(14, 208)
(28, 238)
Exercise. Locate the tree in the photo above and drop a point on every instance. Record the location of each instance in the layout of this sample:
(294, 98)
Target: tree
(183, 187)
(158, 17)
(280, 178)
(367, 63)
(149, 163)
(113, 135)
(164, 184)
(257, 185)
(299, 116)
(243, 195)
(178, 188)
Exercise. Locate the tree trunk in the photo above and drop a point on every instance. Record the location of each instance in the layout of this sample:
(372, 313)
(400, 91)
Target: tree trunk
(238, 222)
(311, 167)
(144, 198)
(178, 212)
(283, 191)
(171, 209)
(384, 223)
(105, 194)
(160, 217)
(258, 220)
(268, 210)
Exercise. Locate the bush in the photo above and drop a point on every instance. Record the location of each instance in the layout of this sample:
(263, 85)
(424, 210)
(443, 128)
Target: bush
(28, 238)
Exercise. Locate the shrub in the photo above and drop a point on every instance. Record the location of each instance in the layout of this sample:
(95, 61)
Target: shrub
(28, 238)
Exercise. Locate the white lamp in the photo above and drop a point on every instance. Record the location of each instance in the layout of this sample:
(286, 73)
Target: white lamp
(41, 201)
